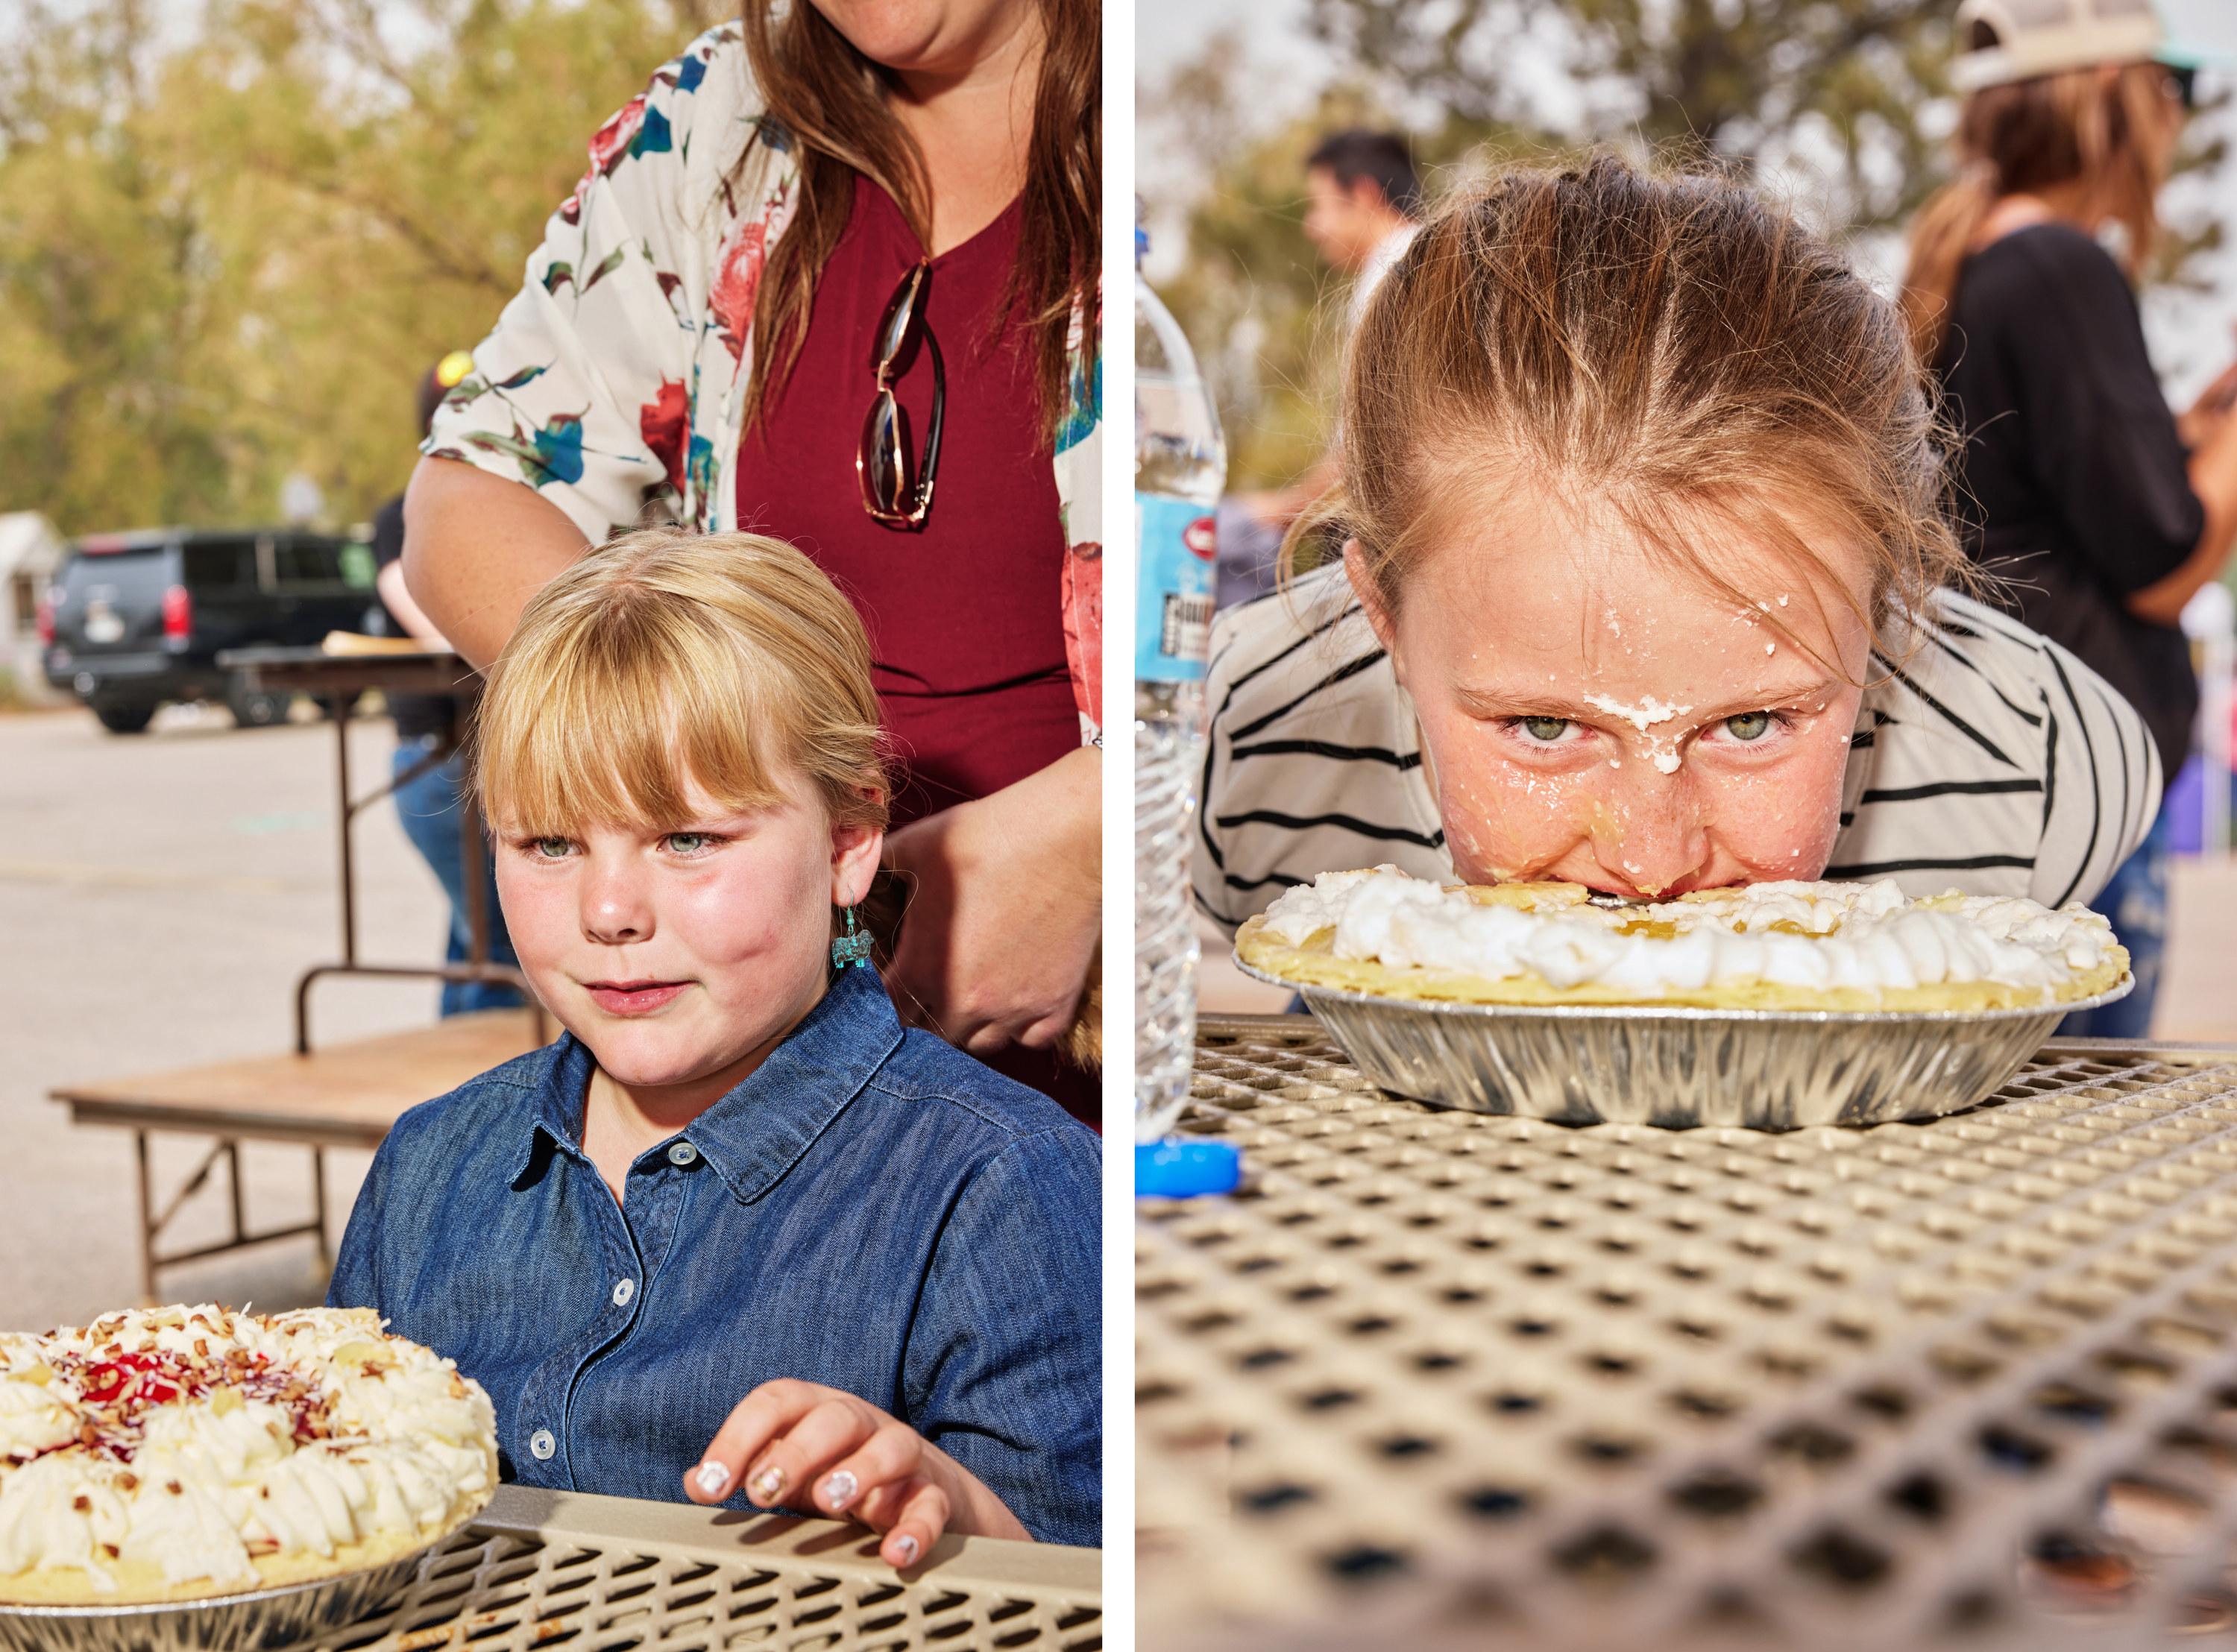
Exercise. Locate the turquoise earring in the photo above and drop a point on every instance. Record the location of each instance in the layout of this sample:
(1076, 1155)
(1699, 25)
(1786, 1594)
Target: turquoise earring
(853, 947)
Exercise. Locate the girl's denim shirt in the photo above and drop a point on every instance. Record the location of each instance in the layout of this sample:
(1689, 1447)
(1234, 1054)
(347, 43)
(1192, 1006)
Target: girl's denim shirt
(870, 1209)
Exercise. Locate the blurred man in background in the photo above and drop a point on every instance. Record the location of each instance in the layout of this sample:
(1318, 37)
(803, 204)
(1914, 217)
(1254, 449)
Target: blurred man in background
(1364, 205)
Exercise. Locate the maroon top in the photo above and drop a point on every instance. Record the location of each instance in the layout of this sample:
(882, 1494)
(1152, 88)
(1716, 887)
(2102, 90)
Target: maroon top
(965, 617)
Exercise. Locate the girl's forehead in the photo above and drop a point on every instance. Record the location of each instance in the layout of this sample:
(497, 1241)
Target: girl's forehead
(1551, 592)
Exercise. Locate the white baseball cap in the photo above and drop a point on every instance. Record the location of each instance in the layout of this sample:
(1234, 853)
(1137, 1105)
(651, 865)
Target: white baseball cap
(2003, 41)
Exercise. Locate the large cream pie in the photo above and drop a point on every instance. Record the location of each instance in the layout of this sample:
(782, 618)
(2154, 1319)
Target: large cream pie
(168, 1453)
(1842, 946)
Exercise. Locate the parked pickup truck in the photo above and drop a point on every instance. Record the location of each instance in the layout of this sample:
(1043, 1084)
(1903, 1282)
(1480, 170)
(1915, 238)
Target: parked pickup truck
(136, 619)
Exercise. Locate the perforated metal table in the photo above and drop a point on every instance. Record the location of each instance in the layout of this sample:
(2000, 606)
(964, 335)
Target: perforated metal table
(544, 1568)
(1437, 1378)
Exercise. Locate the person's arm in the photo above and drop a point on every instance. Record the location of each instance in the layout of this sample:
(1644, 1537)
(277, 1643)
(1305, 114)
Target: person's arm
(1005, 909)
(1280, 506)
(2213, 472)
(355, 1282)
(1002, 1380)
(394, 595)
(1003, 1369)
(476, 547)
(576, 415)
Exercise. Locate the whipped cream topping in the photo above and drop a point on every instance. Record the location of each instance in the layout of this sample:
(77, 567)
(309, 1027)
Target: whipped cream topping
(1811, 935)
(197, 1438)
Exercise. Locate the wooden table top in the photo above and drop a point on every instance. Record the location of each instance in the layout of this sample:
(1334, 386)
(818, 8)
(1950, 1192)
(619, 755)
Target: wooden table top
(315, 671)
(345, 1094)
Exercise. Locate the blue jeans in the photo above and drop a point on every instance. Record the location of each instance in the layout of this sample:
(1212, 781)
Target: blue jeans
(2136, 904)
(430, 806)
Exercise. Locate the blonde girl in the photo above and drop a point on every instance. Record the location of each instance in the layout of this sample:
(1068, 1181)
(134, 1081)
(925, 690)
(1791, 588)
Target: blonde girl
(737, 1236)
(1643, 586)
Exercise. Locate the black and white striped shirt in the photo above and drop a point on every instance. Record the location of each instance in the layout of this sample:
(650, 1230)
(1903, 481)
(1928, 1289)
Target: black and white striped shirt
(1991, 760)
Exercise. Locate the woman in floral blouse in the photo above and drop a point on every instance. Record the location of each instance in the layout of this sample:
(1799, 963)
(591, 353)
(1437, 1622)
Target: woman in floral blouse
(836, 252)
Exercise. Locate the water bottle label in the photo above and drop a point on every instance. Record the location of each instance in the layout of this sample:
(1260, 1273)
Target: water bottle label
(1176, 547)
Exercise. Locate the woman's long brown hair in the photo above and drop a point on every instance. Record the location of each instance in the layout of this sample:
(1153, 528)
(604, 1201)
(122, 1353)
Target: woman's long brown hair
(831, 102)
(2030, 136)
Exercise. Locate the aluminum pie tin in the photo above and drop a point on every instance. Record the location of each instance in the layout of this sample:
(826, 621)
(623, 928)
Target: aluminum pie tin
(262, 1619)
(1680, 1068)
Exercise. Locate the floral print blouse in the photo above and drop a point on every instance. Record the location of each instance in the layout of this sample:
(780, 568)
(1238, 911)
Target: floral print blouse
(614, 383)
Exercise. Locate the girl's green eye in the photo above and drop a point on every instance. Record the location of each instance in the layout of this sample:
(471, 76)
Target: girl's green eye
(551, 848)
(1752, 725)
(1546, 728)
(686, 843)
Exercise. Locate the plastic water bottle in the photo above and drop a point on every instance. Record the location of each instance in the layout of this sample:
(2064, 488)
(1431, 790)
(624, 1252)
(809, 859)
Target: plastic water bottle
(1180, 465)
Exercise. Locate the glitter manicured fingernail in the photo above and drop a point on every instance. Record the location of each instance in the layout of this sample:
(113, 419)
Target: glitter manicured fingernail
(905, 1546)
(712, 1477)
(839, 1489)
(768, 1485)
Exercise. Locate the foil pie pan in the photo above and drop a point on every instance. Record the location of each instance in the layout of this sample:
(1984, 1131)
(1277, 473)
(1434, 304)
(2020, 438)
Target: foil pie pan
(261, 1619)
(1681, 1067)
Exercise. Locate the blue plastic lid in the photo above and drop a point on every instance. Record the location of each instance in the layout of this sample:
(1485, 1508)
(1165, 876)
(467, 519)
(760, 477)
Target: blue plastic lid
(1181, 1166)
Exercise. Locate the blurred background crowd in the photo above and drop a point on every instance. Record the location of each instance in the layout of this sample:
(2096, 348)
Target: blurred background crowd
(1844, 110)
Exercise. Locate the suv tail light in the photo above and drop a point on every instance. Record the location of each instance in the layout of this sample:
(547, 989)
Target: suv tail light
(178, 614)
(47, 618)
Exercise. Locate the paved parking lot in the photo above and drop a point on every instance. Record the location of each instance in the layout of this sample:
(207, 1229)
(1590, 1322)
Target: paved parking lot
(159, 895)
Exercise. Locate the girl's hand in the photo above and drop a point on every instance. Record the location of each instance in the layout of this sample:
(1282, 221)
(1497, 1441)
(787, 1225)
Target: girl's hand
(804, 1446)
(1005, 911)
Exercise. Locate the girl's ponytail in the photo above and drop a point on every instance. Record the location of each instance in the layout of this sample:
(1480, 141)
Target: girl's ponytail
(1940, 236)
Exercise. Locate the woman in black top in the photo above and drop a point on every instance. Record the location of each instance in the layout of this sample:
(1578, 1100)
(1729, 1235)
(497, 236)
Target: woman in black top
(2098, 511)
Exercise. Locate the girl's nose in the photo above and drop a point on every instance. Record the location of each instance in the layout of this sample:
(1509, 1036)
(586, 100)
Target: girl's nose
(615, 910)
(1652, 838)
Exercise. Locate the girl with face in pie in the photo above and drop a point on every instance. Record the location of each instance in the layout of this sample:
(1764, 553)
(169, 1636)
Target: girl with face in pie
(832, 277)
(738, 1236)
(1646, 585)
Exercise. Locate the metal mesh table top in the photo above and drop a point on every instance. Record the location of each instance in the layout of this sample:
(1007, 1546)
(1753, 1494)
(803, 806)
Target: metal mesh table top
(545, 1569)
(1436, 1375)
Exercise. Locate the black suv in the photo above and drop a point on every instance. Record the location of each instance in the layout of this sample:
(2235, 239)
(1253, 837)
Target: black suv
(136, 619)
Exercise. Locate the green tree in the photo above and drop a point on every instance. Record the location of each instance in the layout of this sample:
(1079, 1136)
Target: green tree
(230, 258)
(1263, 310)
(1840, 88)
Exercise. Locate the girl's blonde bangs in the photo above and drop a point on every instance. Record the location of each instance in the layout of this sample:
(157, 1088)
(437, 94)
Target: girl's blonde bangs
(667, 662)
(615, 723)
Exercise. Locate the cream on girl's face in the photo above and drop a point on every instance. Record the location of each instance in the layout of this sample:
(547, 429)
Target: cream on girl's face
(1592, 716)
(680, 954)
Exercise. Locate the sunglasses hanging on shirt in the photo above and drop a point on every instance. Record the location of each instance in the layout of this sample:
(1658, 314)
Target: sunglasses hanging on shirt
(890, 494)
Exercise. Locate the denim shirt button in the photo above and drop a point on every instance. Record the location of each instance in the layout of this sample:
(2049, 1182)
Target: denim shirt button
(624, 1289)
(683, 1153)
(541, 1445)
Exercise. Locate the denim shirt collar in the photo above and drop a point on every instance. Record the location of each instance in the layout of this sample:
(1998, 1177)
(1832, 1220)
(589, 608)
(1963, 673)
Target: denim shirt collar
(756, 1132)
